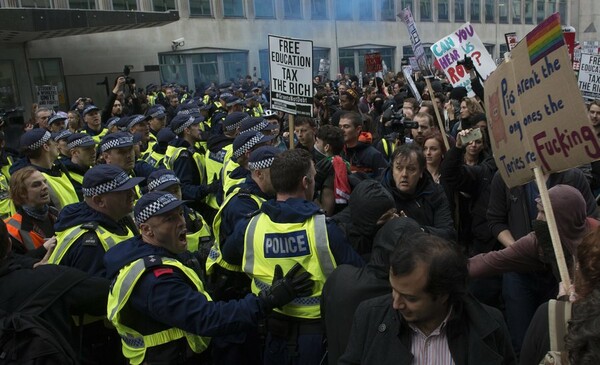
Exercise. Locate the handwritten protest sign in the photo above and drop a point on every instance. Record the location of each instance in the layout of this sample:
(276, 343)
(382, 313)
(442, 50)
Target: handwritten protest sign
(47, 96)
(373, 62)
(415, 40)
(511, 40)
(536, 115)
(589, 76)
(407, 71)
(290, 63)
(451, 49)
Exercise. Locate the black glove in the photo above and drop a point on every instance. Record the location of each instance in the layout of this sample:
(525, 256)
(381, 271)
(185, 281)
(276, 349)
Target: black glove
(323, 168)
(287, 288)
(213, 187)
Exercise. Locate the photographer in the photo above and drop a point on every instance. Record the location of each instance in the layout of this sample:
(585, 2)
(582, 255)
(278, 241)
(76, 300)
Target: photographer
(114, 107)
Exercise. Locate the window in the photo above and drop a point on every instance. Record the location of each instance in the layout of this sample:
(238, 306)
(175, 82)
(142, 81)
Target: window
(503, 11)
(516, 11)
(365, 9)
(318, 54)
(425, 10)
(292, 9)
(82, 4)
(343, 10)
(9, 95)
(408, 4)
(235, 65)
(318, 9)
(264, 9)
(490, 48)
(528, 11)
(35, 3)
(459, 10)
(163, 5)
(475, 11)
(127, 4)
(489, 11)
(540, 15)
(388, 10)
(49, 71)
(205, 68)
(263, 60)
(200, 8)
(173, 70)
(551, 8)
(352, 61)
(443, 10)
(562, 9)
(233, 8)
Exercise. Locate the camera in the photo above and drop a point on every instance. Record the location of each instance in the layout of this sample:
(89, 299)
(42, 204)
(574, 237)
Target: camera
(126, 72)
(176, 43)
(466, 62)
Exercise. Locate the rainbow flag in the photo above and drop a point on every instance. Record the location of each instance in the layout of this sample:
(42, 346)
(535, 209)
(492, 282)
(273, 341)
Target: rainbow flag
(545, 38)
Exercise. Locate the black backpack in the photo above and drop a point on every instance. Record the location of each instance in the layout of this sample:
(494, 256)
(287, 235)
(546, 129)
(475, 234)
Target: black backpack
(26, 338)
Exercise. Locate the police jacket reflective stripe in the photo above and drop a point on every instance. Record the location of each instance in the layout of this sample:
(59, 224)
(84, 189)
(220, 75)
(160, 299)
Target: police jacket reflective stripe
(204, 233)
(61, 190)
(214, 256)
(214, 162)
(135, 344)
(197, 157)
(227, 181)
(97, 137)
(7, 208)
(66, 238)
(31, 240)
(267, 243)
(155, 159)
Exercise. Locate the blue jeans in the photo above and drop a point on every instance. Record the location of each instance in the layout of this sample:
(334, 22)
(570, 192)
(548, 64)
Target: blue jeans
(523, 294)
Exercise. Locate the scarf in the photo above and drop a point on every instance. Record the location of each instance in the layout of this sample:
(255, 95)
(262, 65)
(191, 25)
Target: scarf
(39, 214)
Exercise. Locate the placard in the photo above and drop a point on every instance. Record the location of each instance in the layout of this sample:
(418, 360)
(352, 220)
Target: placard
(47, 96)
(290, 63)
(373, 62)
(450, 50)
(589, 76)
(415, 40)
(536, 115)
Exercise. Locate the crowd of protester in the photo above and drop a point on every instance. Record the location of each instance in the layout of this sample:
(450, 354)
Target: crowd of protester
(186, 229)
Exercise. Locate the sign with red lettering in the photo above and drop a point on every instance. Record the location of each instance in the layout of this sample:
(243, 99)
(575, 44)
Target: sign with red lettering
(452, 49)
(536, 115)
(373, 62)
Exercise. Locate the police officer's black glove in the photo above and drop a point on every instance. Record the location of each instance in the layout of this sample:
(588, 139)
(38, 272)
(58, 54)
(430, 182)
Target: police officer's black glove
(286, 288)
(213, 187)
(323, 168)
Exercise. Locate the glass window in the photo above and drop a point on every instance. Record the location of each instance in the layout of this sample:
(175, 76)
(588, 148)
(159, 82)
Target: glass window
(489, 11)
(200, 8)
(173, 70)
(443, 10)
(48, 71)
(264, 9)
(342, 10)
(9, 93)
(539, 14)
(425, 9)
(163, 5)
(408, 4)
(551, 8)
(528, 11)
(562, 9)
(365, 9)
(490, 49)
(292, 9)
(128, 4)
(407, 51)
(82, 4)
(459, 10)
(516, 11)
(475, 11)
(263, 60)
(36, 3)
(319, 54)
(388, 10)
(503, 11)
(235, 65)
(352, 61)
(205, 68)
(318, 9)
(233, 8)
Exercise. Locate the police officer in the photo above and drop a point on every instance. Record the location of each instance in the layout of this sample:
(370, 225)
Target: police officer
(87, 229)
(187, 162)
(61, 143)
(199, 233)
(56, 123)
(156, 157)
(93, 124)
(138, 123)
(159, 306)
(158, 119)
(291, 229)
(41, 151)
(82, 149)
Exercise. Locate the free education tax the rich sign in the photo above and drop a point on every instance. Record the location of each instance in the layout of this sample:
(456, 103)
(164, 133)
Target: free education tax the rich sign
(536, 115)
(291, 65)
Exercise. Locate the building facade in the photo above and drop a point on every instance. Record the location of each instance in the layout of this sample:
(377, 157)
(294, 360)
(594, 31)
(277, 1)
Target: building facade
(216, 40)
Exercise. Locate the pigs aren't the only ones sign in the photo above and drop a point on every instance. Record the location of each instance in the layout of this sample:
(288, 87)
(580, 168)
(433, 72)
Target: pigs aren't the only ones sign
(291, 65)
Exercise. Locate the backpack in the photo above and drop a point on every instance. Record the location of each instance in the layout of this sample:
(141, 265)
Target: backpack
(559, 314)
(26, 338)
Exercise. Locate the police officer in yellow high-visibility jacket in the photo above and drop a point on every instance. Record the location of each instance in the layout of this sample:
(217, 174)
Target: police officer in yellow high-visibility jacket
(289, 230)
(41, 151)
(158, 304)
(85, 231)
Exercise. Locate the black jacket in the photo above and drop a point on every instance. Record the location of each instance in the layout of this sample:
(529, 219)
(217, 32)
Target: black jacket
(476, 334)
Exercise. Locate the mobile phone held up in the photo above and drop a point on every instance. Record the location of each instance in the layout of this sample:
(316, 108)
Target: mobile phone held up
(473, 135)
